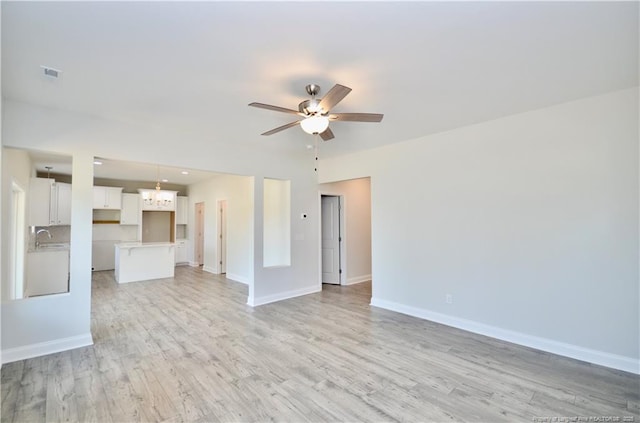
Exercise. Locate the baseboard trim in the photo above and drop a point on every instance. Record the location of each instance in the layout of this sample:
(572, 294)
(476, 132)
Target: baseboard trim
(210, 269)
(283, 296)
(238, 278)
(10, 355)
(194, 264)
(358, 279)
(601, 358)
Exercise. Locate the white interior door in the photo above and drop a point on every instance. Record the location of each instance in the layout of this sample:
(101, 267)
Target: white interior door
(199, 241)
(222, 235)
(330, 239)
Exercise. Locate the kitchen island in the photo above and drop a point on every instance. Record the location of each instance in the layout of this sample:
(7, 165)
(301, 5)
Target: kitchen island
(141, 261)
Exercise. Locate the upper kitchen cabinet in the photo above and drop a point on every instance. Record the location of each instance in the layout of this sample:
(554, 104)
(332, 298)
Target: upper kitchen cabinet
(182, 206)
(60, 210)
(130, 213)
(158, 200)
(40, 190)
(109, 198)
(49, 202)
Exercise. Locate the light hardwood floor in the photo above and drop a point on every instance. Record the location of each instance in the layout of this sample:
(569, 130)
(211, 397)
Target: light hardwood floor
(189, 349)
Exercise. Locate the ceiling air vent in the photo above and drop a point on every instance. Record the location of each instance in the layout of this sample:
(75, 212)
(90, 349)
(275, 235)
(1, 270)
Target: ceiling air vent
(51, 72)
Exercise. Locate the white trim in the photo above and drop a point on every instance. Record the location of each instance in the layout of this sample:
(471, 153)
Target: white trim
(194, 264)
(209, 269)
(238, 278)
(43, 348)
(358, 279)
(282, 296)
(627, 364)
(220, 230)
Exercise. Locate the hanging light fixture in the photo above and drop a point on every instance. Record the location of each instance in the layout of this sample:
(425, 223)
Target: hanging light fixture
(157, 177)
(315, 124)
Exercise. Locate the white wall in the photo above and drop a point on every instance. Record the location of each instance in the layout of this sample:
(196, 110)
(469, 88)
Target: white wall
(530, 222)
(302, 276)
(3, 262)
(238, 191)
(43, 325)
(245, 220)
(357, 226)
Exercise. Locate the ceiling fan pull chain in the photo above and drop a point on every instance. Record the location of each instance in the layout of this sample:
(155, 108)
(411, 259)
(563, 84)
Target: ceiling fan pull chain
(315, 151)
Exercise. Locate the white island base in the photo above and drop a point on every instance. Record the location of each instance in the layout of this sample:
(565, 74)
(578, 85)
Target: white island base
(141, 261)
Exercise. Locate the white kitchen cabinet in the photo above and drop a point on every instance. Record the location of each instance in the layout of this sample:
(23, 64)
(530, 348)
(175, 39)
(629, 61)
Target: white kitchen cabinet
(47, 272)
(182, 206)
(130, 213)
(40, 201)
(107, 198)
(181, 251)
(49, 202)
(60, 210)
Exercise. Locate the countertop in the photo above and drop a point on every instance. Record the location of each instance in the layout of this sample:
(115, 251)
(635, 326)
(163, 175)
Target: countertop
(143, 244)
(45, 248)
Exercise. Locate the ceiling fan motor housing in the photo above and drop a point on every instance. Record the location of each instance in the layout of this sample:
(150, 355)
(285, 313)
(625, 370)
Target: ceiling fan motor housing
(311, 107)
(312, 89)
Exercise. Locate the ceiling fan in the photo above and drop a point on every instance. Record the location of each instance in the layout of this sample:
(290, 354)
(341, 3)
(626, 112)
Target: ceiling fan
(316, 112)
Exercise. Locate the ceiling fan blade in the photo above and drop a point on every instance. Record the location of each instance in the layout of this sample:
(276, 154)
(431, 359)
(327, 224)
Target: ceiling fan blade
(356, 117)
(327, 135)
(334, 96)
(275, 108)
(282, 128)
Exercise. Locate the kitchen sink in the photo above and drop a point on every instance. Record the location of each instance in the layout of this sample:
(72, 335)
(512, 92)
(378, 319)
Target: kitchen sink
(53, 246)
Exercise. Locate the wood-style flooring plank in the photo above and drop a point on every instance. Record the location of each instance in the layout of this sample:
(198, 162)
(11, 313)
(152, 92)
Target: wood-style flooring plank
(31, 401)
(91, 399)
(189, 349)
(61, 398)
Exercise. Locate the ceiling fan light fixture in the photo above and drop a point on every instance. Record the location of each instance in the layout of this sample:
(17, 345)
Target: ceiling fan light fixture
(315, 112)
(315, 124)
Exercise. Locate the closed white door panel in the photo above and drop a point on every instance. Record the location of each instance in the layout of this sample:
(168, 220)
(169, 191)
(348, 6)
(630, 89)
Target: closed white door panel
(330, 239)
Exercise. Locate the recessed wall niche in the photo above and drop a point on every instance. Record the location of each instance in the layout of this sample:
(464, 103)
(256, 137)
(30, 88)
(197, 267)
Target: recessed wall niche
(277, 223)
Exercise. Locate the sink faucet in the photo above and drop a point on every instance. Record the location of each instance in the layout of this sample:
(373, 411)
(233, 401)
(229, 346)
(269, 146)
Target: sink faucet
(38, 233)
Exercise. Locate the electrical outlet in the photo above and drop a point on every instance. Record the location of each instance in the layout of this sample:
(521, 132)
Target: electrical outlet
(448, 299)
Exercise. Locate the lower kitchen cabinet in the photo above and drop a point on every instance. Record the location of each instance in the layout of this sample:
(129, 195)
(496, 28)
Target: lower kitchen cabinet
(181, 252)
(47, 272)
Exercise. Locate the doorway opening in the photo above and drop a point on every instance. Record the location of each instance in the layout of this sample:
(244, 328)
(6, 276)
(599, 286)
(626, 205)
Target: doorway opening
(198, 255)
(222, 236)
(353, 198)
(331, 229)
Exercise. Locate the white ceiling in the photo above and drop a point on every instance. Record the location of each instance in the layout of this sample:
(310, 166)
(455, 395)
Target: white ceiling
(193, 67)
(122, 170)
